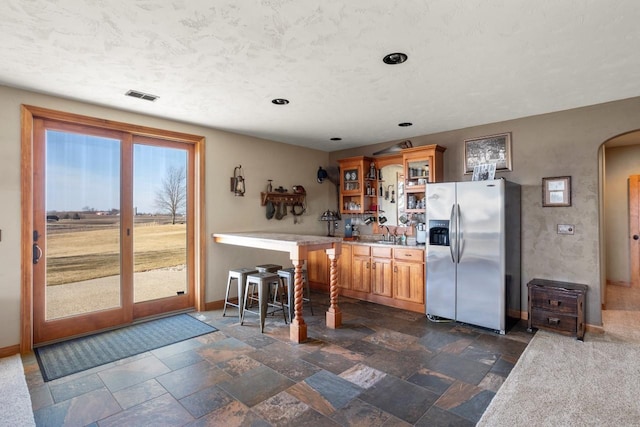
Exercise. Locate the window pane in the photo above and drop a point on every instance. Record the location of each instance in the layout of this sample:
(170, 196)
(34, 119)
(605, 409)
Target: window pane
(160, 236)
(83, 224)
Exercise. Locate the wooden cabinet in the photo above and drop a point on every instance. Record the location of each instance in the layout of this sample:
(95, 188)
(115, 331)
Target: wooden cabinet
(557, 306)
(361, 269)
(408, 278)
(421, 165)
(318, 270)
(344, 268)
(381, 277)
(389, 275)
(358, 185)
(392, 276)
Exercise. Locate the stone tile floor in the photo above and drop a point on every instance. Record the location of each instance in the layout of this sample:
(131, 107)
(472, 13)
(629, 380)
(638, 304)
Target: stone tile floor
(383, 367)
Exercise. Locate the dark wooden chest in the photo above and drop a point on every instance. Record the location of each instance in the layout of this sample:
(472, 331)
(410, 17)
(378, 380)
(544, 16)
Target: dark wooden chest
(557, 306)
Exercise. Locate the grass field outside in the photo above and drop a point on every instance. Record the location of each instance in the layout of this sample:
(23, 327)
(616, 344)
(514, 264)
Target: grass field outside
(80, 250)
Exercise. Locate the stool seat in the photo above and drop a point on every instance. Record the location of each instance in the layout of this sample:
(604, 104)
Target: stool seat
(289, 275)
(263, 281)
(239, 274)
(268, 268)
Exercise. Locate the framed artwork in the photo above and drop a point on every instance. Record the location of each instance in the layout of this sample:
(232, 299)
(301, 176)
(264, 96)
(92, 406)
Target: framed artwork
(488, 149)
(556, 191)
(484, 172)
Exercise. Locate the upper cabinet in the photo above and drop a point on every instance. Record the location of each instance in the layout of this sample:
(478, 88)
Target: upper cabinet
(367, 188)
(421, 165)
(358, 185)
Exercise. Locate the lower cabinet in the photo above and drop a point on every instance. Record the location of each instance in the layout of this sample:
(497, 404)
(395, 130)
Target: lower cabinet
(361, 269)
(381, 274)
(344, 267)
(392, 276)
(318, 270)
(407, 280)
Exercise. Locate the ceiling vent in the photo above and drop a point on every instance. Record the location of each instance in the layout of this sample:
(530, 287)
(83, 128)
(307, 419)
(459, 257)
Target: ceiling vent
(141, 95)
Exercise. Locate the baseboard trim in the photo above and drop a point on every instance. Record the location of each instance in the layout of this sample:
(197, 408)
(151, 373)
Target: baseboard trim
(619, 283)
(217, 305)
(9, 351)
(594, 329)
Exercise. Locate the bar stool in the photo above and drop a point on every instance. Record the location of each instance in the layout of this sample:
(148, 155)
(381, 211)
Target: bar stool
(268, 268)
(265, 268)
(239, 274)
(288, 275)
(263, 282)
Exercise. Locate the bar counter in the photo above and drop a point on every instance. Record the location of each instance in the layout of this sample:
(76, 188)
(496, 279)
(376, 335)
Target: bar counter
(298, 246)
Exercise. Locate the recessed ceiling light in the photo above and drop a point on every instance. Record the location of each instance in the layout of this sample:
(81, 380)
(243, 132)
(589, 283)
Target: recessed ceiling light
(141, 95)
(280, 101)
(395, 58)
(336, 139)
(405, 124)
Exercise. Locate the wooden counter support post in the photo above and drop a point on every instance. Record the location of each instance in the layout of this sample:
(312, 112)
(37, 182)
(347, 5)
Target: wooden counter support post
(298, 329)
(334, 315)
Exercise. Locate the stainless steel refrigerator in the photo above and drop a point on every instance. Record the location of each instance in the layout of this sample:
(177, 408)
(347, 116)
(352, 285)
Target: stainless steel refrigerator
(473, 252)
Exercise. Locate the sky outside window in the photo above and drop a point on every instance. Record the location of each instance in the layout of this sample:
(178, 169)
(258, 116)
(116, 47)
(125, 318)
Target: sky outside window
(83, 171)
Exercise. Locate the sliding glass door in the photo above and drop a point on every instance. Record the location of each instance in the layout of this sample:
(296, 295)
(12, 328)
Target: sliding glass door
(112, 225)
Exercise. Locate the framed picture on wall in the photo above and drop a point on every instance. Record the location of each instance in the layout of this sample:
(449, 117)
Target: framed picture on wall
(556, 191)
(488, 149)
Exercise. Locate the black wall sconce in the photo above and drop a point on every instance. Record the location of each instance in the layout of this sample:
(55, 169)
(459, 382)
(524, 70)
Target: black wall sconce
(237, 182)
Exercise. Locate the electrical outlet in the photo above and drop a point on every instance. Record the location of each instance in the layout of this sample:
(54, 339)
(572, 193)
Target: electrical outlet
(565, 228)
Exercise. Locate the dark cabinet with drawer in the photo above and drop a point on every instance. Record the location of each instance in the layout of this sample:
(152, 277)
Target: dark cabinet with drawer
(557, 306)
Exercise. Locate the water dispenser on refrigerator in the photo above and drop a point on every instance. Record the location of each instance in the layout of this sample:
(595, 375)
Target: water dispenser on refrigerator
(439, 232)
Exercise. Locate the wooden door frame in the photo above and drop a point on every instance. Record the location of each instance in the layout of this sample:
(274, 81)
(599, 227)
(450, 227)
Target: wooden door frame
(634, 221)
(28, 113)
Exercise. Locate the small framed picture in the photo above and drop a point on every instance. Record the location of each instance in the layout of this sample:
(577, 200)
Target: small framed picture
(484, 172)
(556, 191)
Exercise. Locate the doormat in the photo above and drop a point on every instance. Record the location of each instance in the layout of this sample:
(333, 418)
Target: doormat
(79, 354)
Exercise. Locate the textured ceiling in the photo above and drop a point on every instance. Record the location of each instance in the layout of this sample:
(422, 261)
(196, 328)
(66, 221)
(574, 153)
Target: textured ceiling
(219, 63)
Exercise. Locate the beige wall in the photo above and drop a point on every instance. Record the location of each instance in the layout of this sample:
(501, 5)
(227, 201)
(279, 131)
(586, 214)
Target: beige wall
(260, 160)
(554, 144)
(621, 162)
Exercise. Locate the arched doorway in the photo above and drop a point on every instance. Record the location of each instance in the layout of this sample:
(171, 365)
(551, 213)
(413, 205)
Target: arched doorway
(621, 222)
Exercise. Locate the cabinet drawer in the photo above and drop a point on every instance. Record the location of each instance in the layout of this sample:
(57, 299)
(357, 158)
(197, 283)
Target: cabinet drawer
(554, 321)
(361, 250)
(553, 300)
(416, 255)
(380, 252)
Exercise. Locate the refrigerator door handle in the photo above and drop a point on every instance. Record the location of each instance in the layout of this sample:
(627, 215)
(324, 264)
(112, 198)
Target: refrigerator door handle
(459, 234)
(452, 238)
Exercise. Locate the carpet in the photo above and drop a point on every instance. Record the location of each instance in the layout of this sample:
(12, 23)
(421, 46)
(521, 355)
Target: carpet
(79, 354)
(15, 402)
(560, 381)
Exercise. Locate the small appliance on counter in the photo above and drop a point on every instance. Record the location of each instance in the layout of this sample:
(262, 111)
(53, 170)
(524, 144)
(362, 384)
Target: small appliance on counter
(348, 230)
(421, 233)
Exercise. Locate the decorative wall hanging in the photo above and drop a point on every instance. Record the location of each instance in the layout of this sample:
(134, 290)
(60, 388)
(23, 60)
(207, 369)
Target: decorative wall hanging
(556, 191)
(488, 149)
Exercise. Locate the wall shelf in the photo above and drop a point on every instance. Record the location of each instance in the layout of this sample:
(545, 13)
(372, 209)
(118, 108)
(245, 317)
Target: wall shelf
(288, 199)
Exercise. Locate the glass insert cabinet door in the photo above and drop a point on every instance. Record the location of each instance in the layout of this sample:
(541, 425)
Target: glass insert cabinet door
(351, 180)
(357, 187)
